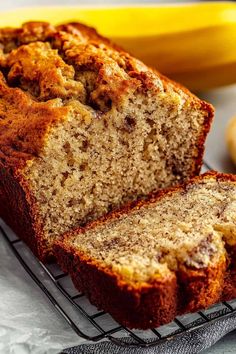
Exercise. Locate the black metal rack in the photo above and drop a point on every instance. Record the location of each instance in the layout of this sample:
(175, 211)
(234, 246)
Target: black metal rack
(101, 324)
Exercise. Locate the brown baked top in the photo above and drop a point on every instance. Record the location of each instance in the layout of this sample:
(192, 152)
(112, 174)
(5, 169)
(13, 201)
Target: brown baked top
(42, 74)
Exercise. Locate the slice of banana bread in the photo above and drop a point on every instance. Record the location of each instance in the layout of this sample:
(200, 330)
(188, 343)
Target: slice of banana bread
(172, 254)
(84, 128)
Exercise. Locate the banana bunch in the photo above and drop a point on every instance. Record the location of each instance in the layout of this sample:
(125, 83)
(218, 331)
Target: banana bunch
(194, 44)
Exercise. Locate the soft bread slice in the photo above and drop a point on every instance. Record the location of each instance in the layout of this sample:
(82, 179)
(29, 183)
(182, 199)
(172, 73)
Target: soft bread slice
(153, 260)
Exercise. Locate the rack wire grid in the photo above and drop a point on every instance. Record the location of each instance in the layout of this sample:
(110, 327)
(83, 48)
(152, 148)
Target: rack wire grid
(94, 325)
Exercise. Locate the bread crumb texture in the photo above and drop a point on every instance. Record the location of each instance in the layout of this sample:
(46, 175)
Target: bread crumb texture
(190, 227)
(85, 127)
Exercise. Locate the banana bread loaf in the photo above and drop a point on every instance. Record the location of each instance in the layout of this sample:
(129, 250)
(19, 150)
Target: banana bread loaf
(159, 258)
(84, 128)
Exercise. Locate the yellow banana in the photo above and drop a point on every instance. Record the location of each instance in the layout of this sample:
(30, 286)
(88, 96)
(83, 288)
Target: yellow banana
(193, 44)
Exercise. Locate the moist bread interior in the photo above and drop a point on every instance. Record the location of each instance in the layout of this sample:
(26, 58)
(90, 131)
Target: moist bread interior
(115, 130)
(187, 228)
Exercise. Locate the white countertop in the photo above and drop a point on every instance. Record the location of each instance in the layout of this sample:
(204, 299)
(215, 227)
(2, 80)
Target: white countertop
(216, 154)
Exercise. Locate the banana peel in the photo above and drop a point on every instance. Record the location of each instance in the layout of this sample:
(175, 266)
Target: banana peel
(192, 43)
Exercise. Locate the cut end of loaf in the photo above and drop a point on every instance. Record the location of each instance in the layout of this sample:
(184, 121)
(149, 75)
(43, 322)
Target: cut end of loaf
(94, 163)
(104, 129)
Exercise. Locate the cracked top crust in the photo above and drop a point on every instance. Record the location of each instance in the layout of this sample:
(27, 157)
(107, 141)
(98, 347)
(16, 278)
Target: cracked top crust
(44, 70)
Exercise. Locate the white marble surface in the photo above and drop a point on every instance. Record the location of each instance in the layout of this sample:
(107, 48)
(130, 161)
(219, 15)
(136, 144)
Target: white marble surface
(216, 153)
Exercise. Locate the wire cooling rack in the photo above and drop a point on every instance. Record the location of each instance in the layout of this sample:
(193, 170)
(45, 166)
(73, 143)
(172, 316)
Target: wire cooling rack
(94, 325)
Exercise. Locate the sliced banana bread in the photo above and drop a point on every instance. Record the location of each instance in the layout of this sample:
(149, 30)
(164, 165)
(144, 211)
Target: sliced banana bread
(84, 128)
(159, 258)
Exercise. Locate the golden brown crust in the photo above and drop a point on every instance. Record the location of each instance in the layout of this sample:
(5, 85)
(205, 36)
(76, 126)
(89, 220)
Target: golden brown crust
(35, 95)
(148, 305)
(18, 209)
(45, 84)
(23, 125)
(144, 307)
